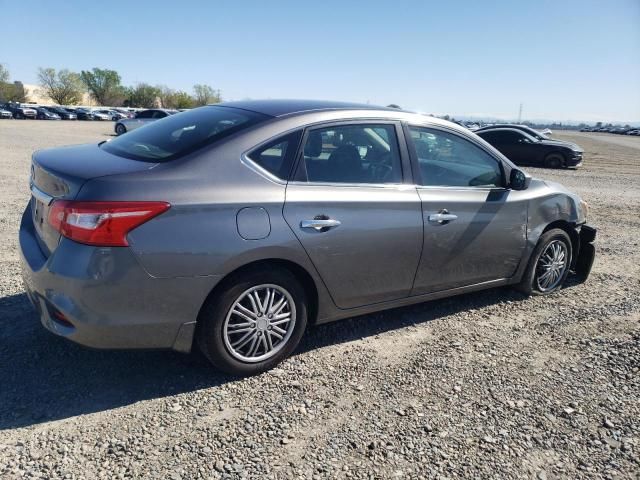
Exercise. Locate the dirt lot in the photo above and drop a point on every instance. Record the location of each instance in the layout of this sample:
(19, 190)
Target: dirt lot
(490, 384)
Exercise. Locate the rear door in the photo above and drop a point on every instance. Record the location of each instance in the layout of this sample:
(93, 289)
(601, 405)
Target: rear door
(474, 227)
(357, 219)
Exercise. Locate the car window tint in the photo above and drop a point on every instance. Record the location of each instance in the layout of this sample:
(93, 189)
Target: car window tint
(511, 137)
(449, 160)
(362, 153)
(277, 156)
(492, 137)
(159, 114)
(182, 133)
(144, 114)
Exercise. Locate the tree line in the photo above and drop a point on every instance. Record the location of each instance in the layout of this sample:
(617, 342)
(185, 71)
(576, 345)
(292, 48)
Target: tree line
(65, 87)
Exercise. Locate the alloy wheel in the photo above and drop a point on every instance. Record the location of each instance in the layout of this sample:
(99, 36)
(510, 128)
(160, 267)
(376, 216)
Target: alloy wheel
(552, 265)
(259, 323)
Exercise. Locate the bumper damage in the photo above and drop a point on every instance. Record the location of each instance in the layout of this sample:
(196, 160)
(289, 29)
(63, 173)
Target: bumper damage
(586, 253)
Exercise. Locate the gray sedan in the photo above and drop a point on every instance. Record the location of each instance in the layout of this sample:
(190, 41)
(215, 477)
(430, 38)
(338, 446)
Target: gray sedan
(144, 117)
(238, 225)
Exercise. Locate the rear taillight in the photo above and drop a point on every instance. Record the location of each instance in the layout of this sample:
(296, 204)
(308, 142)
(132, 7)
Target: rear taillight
(104, 224)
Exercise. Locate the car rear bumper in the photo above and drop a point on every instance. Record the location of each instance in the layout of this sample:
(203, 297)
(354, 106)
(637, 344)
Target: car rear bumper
(102, 297)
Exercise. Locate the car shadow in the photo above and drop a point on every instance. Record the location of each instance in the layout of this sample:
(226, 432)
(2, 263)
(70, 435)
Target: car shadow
(44, 377)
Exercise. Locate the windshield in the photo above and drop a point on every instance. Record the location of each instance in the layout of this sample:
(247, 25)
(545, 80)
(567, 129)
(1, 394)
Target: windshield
(534, 133)
(531, 138)
(182, 133)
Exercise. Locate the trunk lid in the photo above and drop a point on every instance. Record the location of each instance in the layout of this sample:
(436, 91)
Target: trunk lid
(60, 173)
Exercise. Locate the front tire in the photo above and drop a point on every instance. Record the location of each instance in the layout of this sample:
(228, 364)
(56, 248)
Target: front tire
(549, 264)
(554, 160)
(120, 129)
(254, 323)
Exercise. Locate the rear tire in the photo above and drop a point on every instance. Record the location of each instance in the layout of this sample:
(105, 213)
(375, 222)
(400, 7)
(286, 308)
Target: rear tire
(554, 160)
(243, 329)
(544, 275)
(120, 129)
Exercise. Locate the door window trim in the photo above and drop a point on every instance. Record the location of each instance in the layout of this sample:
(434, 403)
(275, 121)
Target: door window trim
(403, 151)
(415, 166)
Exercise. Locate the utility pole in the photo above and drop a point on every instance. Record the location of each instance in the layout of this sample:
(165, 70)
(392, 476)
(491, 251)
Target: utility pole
(520, 114)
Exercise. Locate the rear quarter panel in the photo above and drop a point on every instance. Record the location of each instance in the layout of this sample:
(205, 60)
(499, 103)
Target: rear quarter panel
(199, 235)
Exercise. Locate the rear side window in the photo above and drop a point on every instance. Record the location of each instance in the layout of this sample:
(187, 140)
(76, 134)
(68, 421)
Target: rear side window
(358, 153)
(182, 133)
(277, 156)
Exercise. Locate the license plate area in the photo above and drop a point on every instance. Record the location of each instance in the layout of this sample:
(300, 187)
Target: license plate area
(38, 210)
(44, 233)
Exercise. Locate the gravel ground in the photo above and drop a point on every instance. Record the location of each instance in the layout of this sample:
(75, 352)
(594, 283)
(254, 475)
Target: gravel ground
(490, 384)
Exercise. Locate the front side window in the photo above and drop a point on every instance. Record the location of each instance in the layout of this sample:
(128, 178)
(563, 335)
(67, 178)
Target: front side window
(359, 153)
(277, 156)
(144, 114)
(448, 160)
(182, 133)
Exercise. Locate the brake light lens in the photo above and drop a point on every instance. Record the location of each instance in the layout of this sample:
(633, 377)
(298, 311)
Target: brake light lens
(104, 224)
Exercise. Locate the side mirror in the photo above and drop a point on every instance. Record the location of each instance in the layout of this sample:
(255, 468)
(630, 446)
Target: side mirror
(518, 180)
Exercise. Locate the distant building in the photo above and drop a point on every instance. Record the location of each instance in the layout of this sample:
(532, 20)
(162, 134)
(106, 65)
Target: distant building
(34, 94)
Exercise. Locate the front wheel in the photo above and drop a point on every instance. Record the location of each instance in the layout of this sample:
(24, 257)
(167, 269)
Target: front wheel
(120, 129)
(254, 323)
(554, 160)
(549, 264)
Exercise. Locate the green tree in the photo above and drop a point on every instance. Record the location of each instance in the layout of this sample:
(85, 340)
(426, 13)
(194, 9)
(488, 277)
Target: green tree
(205, 94)
(181, 99)
(104, 86)
(10, 92)
(63, 87)
(142, 95)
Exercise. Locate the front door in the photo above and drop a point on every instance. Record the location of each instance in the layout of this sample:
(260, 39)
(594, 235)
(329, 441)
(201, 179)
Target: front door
(359, 223)
(474, 227)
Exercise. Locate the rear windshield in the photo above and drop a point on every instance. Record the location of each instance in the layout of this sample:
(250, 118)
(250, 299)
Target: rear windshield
(182, 133)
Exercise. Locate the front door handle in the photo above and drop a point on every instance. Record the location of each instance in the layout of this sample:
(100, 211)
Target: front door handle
(443, 217)
(320, 224)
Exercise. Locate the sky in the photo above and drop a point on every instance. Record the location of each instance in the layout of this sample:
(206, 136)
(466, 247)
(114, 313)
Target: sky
(564, 60)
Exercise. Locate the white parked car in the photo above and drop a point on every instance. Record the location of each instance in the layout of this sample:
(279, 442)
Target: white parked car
(101, 115)
(112, 114)
(142, 118)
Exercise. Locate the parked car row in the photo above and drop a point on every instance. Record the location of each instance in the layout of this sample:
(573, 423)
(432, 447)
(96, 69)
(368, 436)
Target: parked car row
(611, 129)
(56, 112)
(18, 110)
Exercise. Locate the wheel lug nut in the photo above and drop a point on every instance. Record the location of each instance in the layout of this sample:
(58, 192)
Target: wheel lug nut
(270, 315)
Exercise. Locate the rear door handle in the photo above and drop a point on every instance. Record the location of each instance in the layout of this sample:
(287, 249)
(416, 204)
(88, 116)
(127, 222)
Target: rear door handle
(442, 218)
(320, 225)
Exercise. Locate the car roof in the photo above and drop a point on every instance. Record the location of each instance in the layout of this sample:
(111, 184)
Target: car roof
(500, 129)
(281, 107)
(506, 125)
